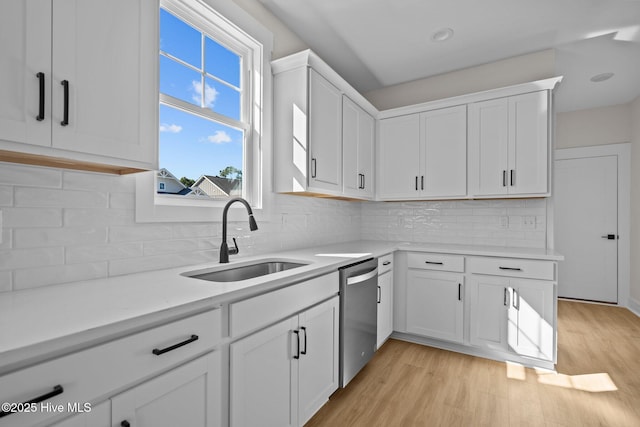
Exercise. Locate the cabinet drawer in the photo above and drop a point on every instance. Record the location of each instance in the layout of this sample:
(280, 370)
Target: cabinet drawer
(94, 373)
(428, 261)
(513, 267)
(263, 310)
(385, 263)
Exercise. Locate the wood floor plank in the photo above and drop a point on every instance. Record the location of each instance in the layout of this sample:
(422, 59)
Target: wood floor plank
(597, 382)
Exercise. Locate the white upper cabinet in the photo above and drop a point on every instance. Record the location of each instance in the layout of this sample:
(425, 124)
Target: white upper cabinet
(424, 156)
(358, 130)
(79, 83)
(323, 131)
(509, 146)
(398, 158)
(325, 134)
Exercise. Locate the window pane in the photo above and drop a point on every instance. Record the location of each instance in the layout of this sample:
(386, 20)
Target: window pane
(222, 63)
(180, 40)
(222, 99)
(194, 147)
(180, 81)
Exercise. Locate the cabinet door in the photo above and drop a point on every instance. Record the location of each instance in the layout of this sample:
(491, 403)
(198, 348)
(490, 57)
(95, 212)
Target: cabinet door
(25, 43)
(366, 141)
(399, 158)
(318, 363)
(107, 51)
(490, 299)
(435, 306)
(357, 148)
(531, 319)
(488, 140)
(528, 143)
(444, 152)
(99, 416)
(189, 395)
(325, 134)
(264, 378)
(385, 306)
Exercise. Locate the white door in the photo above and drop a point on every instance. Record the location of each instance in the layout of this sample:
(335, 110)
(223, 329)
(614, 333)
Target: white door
(318, 367)
(109, 59)
(490, 299)
(444, 152)
(435, 306)
(399, 157)
(189, 395)
(25, 63)
(263, 377)
(325, 134)
(586, 215)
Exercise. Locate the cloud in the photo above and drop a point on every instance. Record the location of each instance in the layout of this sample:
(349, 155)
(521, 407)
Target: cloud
(210, 93)
(220, 137)
(172, 128)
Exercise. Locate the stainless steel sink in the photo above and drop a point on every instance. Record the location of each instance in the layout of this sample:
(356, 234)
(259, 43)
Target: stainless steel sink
(244, 272)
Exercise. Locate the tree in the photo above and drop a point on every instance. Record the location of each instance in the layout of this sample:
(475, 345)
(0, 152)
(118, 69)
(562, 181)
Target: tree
(229, 171)
(187, 182)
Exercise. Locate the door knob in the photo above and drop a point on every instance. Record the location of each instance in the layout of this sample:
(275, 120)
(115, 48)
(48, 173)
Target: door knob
(610, 237)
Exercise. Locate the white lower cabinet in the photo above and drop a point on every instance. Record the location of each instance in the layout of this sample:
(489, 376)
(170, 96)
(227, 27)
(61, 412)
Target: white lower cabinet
(98, 416)
(189, 395)
(281, 375)
(435, 304)
(514, 315)
(385, 298)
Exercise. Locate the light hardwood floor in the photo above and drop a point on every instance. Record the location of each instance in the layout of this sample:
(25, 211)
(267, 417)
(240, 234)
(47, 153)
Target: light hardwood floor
(597, 382)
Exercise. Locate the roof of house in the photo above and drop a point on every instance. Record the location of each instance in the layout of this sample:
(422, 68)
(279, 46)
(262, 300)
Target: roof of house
(225, 184)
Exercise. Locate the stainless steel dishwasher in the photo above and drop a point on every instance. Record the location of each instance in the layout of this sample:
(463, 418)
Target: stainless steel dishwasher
(358, 317)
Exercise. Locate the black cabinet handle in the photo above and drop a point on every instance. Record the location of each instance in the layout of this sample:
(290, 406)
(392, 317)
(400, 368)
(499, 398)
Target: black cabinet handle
(609, 237)
(379, 294)
(513, 177)
(297, 355)
(459, 291)
(416, 183)
(125, 423)
(313, 167)
(158, 351)
(505, 301)
(422, 182)
(40, 116)
(65, 117)
(57, 389)
(504, 178)
(386, 263)
(303, 329)
(510, 268)
(434, 263)
(363, 182)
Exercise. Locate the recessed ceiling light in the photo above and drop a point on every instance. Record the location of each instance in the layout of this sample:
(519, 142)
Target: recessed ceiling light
(442, 34)
(601, 77)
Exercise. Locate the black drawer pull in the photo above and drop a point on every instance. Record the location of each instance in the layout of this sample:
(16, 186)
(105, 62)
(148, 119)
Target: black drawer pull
(303, 329)
(158, 351)
(510, 268)
(297, 355)
(125, 423)
(386, 263)
(57, 389)
(434, 262)
(40, 116)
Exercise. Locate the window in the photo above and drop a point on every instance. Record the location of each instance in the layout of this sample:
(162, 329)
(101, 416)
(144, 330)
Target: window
(206, 132)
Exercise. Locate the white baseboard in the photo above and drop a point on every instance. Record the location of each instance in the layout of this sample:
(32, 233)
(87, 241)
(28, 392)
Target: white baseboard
(634, 306)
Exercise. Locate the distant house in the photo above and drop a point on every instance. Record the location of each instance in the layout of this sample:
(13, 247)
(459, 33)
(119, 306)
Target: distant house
(216, 186)
(169, 184)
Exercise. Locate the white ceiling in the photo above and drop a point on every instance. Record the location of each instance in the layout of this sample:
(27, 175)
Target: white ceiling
(378, 43)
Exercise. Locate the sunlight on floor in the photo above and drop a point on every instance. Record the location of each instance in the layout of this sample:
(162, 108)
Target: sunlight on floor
(593, 383)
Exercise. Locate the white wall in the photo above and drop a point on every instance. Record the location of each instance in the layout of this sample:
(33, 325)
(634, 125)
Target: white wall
(519, 69)
(635, 204)
(596, 126)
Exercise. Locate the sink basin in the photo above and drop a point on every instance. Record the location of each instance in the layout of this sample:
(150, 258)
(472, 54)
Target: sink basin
(244, 272)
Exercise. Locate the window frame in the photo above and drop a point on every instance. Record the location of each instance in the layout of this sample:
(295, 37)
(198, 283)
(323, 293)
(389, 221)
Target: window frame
(233, 25)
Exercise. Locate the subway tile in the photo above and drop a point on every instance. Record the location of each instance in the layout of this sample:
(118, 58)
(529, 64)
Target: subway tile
(161, 247)
(197, 230)
(90, 181)
(30, 176)
(6, 195)
(159, 262)
(6, 282)
(32, 217)
(41, 197)
(85, 217)
(49, 237)
(42, 276)
(122, 200)
(103, 252)
(28, 258)
(139, 232)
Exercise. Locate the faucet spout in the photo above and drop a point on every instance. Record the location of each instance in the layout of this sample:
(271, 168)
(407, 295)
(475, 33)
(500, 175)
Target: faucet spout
(224, 248)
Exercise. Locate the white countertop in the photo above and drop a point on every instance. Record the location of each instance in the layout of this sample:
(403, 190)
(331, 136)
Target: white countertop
(49, 321)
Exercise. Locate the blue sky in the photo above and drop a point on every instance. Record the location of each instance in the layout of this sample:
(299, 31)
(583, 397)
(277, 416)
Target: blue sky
(190, 145)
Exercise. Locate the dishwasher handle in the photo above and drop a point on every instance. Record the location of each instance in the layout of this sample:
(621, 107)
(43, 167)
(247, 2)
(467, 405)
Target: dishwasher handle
(363, 277)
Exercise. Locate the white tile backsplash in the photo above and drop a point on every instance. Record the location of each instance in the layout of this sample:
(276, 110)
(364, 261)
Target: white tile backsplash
(62, 226)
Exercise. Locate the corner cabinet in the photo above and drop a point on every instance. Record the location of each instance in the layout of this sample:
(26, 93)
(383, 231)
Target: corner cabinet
(509, 146)
(323, 131)
(79, 87)
(385, 298)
